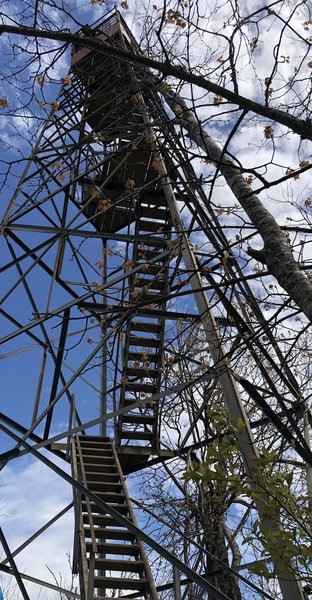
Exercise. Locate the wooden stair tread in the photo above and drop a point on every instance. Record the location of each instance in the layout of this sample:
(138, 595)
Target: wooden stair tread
(135, 386)
(154, 226)
(136, 435)
(111, 534)
(149, 342)
(136, 356)
(142, 372)
(122, 549)
(109, 486)
(145, 326)
(120, 583)
(117, 564)
(151, 284)
(139, 419)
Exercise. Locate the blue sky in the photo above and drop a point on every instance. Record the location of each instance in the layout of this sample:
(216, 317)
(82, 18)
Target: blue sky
(31, 493)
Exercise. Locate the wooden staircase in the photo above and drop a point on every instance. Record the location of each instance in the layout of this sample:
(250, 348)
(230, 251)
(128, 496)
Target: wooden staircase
(113, 561)
(121, 192)
(127, 180)
(143, 350)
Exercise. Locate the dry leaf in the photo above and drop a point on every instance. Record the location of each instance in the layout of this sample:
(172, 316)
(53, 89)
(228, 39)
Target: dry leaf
(66, 80)
(130, 184)
(268, 132)
(128, 264)
(104, 205)
(4, 102)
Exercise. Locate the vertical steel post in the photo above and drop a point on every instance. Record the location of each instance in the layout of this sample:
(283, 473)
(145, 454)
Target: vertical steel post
(176, 584)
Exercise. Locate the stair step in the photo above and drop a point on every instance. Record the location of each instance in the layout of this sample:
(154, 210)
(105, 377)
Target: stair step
(117, 564)
(146, 254)
(142, 372)
(144, 342)
(155, 213)
(104, 477)
(115, 549)
(100, 518)
(114, 487)
(92, 467)
(154, 227)
(94, 441)
(145, 326)
(98, 438)
(153, 269)
(151, 284)
(127, 401)
(139, 419)
(96, 451)
(108, 497)
(134, 386)
(152, 357)
(118, 506)
(110, 534)
(120, 583)
(154, 198)
(136, 435)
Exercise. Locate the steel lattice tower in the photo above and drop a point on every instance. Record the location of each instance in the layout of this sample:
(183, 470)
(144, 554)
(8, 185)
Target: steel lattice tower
(105, 289)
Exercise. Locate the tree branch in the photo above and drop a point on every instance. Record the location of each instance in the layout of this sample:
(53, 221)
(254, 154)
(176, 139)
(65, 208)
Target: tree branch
(276, 254)
(299, 126)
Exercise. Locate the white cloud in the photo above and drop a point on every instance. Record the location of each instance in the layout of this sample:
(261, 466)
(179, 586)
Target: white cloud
(31, 495)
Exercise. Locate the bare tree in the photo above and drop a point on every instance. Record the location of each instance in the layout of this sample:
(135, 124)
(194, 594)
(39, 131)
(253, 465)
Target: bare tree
(221, 103)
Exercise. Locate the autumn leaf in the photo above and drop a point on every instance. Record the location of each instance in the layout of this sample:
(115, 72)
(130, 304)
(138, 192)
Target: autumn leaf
(61, 176)
(177, 109)
(174, 17)
(54, 105)
(4, 102)
(170, 360)
(104, 205)
(136, 98)
(128, 264)
(149, 138)
(253, 43)
(130, 184)
(292, 172)
(268, 132)
(303, 164)
(96, 193)
(217, 100)
(66, 80)
(40, 80)
(157, 164)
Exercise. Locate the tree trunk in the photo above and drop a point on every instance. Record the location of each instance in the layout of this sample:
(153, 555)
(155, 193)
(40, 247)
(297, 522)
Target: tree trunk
(212, 510)
(276, 253)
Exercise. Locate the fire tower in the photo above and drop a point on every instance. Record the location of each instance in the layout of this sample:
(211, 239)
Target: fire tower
(109, 291)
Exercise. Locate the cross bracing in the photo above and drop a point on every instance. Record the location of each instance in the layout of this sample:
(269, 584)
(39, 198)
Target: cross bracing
(122, 286)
